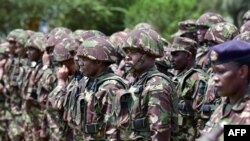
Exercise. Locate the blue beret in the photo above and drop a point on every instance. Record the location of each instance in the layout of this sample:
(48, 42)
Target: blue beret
(230, 51)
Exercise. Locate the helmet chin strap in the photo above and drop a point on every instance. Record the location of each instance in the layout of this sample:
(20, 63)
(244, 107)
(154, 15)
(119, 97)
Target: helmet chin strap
(137, 65)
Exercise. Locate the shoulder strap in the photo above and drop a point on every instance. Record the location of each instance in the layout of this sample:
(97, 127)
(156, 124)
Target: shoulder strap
(112, 76)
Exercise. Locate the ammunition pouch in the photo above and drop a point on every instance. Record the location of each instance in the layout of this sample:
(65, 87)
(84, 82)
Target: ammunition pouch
(14, 80)
(185, 108)
(32, 93)
(93, 128)
(140, 124)
(207, 108)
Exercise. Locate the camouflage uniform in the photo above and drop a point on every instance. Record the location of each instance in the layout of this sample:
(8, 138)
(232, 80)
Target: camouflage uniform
(32, 114)
(206, 21)
(228, 113)
(95, 102)
(146, 111)
(4, 106)
(217, 34)
(57, 111)
(19, 68)
(116, 38)
(191, 87)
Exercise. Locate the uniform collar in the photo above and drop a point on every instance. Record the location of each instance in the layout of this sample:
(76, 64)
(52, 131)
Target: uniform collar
(238, 106)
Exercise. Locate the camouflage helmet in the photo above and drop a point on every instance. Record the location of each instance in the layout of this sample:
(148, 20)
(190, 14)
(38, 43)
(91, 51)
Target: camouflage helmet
(116, 38)
(221, 32)
(77, 34)
(18, 35)
(62, 49)
(37, 40)
(245, 27)
(246, 16)
(148, 41)
(183, 44)
(98, 48)
(245, 36)
(4, 47)
(56, 35)
(143, 25)
(208, 19)
(186, 26)
(88, 34)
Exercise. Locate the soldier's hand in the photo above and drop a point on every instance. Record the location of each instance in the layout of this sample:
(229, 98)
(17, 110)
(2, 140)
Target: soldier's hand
(45, 59)
(2, 63)
(62, 75)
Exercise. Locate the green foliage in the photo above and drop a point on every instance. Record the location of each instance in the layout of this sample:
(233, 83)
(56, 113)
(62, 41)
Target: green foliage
(110, 16)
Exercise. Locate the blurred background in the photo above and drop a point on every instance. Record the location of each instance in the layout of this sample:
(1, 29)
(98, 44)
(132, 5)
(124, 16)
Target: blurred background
(110, 16)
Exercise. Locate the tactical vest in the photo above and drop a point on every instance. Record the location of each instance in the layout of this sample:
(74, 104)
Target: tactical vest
(136, 94)
(93, 128)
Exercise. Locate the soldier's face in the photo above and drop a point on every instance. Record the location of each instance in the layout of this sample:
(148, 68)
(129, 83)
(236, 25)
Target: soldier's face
(201, 31)
(227, 79)
(87, 67)
(34, 54)
(133, 59)
(20, 51)
(179, 60)
(12, 46)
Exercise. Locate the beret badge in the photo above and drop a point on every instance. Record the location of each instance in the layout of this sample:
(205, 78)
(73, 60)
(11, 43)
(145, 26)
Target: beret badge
(213, 56)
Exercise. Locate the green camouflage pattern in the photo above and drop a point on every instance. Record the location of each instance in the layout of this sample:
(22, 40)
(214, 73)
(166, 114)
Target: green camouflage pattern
(208, 19)
(147, 99)
(83, 35)
(183, 44)
(191, 86)
(221, 32)
(62, 49)
(245, 36)
(148, 41)
(98, 48)
(245, 27)
(116, 38)
(18, 35)
(56, 35)
(37, 40)
(98, 95)
(237, 114)
(187, 26)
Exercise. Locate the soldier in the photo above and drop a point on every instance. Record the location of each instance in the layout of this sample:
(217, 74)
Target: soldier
(230, 62)
(191, 86)
(146, 111)
(4, 108)
(187, 29)
(32, 114)
(66, 72)
(116, 38)
(246, 17)
(204, 22)
(54, 37)
(216, 34)
(95, 56)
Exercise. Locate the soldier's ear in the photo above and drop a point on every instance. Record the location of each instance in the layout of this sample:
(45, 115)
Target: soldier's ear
(243, 71)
